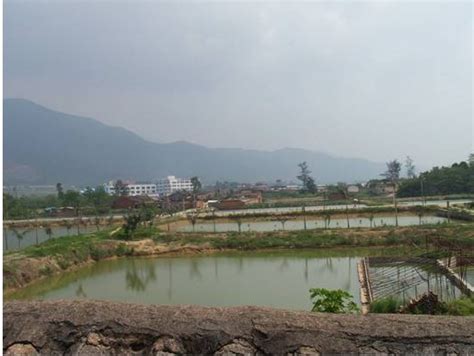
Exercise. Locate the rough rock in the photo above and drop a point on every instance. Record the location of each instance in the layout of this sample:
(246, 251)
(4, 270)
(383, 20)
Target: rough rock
(106, 328)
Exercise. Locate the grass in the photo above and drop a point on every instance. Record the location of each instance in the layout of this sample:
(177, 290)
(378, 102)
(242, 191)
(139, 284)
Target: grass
(386, 305)
(463, 306)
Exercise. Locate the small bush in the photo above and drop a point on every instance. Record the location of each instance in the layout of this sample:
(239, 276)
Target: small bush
(123, 250)
(63, 263)
(98, 253)
(46, 271)
(462, 306)
(386, 305)
(332, 301)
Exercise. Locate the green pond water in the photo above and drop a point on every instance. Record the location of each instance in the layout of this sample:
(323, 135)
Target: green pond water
(276, 279)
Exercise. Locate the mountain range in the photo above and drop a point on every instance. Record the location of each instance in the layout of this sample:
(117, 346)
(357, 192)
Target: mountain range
(43, 146)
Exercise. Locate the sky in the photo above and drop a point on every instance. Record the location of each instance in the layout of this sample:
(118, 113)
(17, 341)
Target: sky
(377, 80)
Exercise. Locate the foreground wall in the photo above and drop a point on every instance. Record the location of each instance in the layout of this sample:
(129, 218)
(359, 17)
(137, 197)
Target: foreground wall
(93, 327)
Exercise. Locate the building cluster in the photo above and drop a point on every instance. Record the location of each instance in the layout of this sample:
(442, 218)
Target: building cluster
(183, 199)
(162, 187)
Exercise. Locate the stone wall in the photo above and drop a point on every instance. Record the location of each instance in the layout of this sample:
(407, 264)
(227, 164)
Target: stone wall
(95, 327)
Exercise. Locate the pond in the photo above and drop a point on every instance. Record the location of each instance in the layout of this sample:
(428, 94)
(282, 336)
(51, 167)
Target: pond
(440, 203)
(30, 236)
(274, 225)
(277, 279)
(288, 209)
(351, 205)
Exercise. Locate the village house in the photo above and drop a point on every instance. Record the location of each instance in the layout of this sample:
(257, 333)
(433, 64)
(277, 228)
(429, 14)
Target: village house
(250, 197)
(132, 202)
(177, 201)
(353, 189)
(231, 204)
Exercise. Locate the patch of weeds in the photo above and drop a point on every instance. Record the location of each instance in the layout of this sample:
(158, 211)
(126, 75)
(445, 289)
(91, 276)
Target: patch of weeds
(124, 250)
(46, 270)
(63, 263)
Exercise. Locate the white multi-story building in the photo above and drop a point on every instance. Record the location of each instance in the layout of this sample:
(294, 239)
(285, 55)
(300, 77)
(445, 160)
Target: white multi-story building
(132, 189)
(172, 184)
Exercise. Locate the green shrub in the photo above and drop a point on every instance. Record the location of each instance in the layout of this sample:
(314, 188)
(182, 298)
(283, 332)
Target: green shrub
(386, 305)
(63, 263)
(98, 253)
(123, 250)
(462, 306)
(46, 271)
(332, 301)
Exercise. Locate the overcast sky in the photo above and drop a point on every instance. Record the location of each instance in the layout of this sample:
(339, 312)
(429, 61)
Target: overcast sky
(377, 80)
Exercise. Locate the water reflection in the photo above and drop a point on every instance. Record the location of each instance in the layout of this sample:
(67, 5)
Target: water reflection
(138, 277)
(80, 291)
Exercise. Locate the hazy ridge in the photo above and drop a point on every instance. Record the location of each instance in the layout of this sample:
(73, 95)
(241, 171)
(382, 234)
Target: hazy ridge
(43, 146)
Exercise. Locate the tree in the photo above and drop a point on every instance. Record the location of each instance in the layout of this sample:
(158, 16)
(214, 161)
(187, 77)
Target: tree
(306, 179)
(392, 174)
(196, 188)
(131, 224)
(327, 220)
(120, 188)
(332, 301)
(59, 189)
(471, 159)
(196, 183)
(48, 231)
(410, 167)
(98, 198)
(192, 219)
(148, 214)
(19, 235)
(72, 198)
(456, 179)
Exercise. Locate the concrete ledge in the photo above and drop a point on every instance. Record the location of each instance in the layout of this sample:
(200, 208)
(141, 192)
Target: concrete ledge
(97, 327)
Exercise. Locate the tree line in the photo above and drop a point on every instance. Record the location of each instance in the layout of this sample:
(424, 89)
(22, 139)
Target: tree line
(92, 200)
(456, 179)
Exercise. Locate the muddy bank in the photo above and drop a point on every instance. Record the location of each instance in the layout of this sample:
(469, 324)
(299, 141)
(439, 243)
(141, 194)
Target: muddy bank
(105, 328)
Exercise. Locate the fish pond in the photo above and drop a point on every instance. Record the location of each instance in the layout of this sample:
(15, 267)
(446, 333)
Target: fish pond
(333, 223)
(279, 279)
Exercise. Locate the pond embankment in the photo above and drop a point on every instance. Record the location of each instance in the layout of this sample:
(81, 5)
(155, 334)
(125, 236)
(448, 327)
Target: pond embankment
(94, 327)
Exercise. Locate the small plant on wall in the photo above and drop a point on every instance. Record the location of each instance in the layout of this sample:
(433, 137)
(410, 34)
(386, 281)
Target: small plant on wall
(332, 301)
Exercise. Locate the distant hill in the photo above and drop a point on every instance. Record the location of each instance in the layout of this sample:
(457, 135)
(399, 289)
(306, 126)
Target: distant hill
(43, 146)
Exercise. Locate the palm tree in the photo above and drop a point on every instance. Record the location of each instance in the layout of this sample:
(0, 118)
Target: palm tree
(68, 225)
(327, 220)
(238, 220)
(304, 216)
(214, 219)
(282, 220)
(192, 219)
(78, 223)
(36, 227)
(97, 222)
(420, 215)
(5, 236)
(48, 231)
(20, 235)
